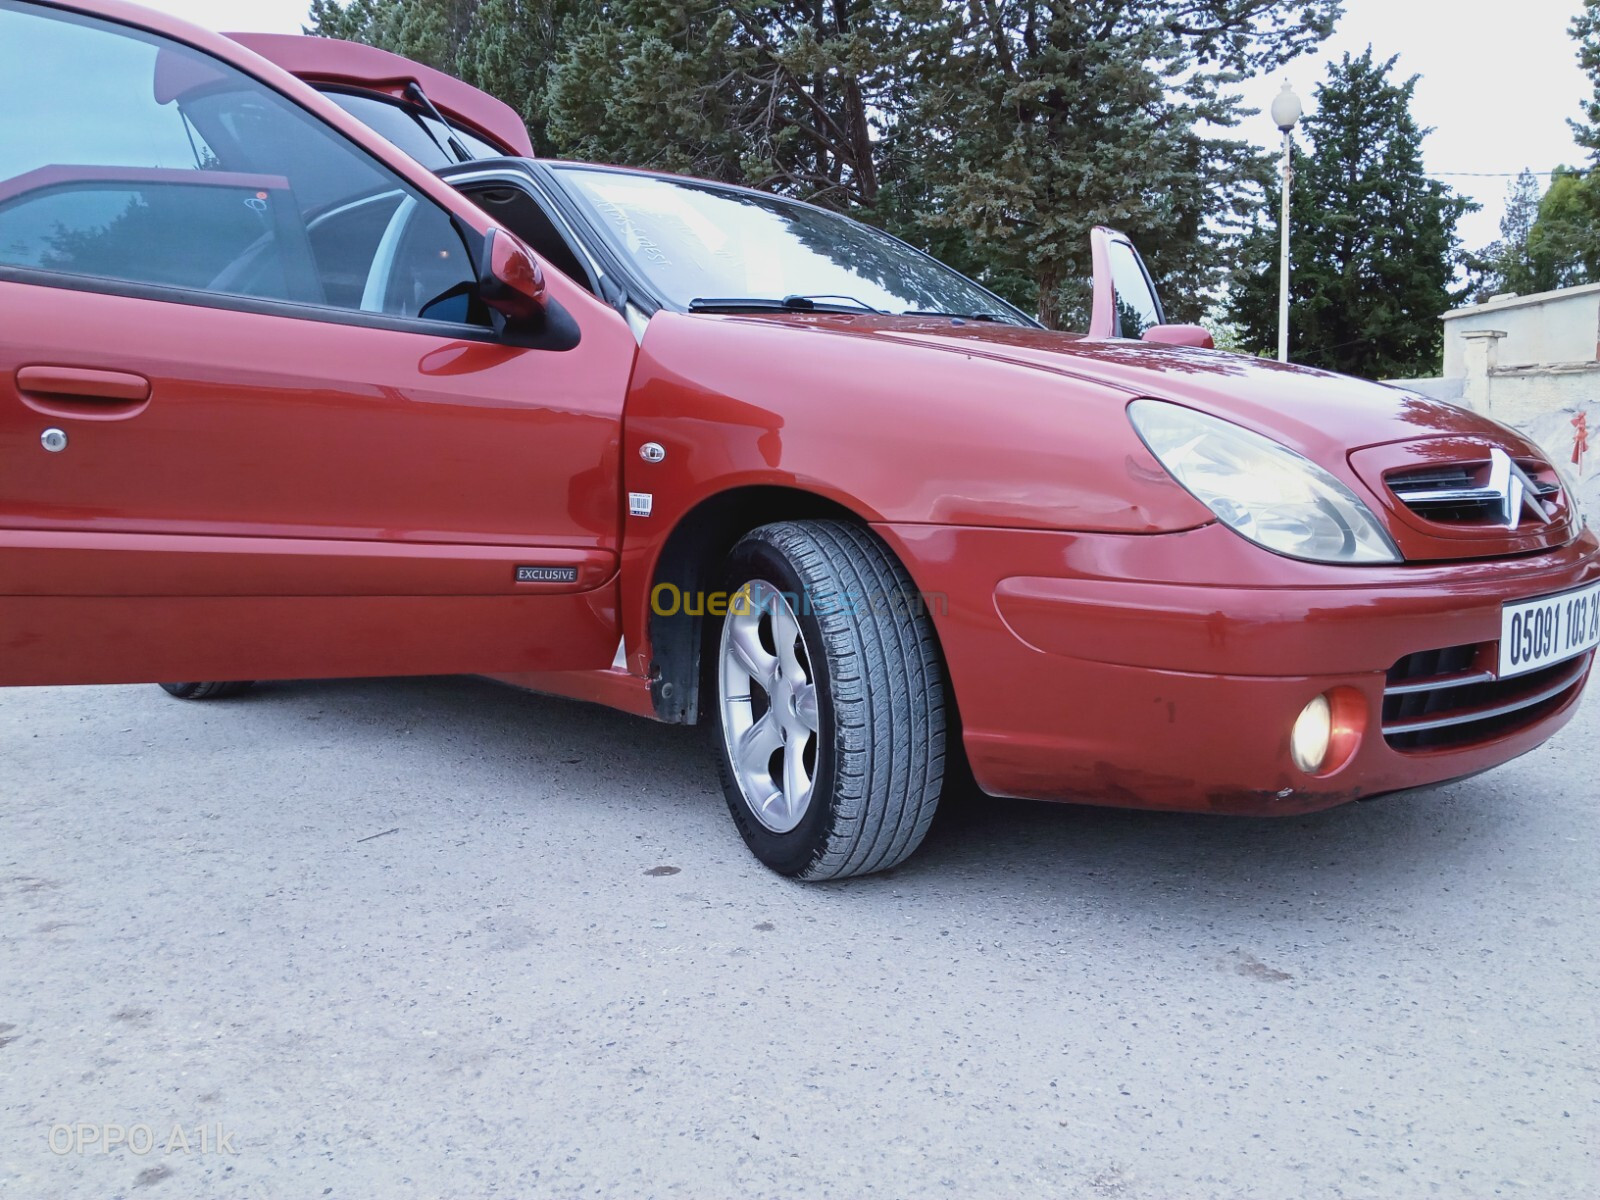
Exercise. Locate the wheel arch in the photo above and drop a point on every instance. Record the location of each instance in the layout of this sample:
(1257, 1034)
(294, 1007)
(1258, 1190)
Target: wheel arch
(690, 559)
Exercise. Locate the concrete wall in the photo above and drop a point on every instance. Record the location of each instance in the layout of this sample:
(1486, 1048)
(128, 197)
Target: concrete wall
(1520, 395)
(1550, 327)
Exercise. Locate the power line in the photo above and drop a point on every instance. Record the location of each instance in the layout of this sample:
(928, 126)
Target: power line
(1495, 174)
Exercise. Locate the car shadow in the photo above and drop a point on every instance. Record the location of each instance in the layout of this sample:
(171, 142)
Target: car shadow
(1358, 853)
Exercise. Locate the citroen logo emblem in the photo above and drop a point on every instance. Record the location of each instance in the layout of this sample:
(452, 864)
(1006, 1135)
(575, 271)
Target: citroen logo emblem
(1515, 491)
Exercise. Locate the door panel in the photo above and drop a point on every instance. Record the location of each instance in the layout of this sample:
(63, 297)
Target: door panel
(267, 425)
(252, 420)
(72, 563)
(141, 639)
(322, 485)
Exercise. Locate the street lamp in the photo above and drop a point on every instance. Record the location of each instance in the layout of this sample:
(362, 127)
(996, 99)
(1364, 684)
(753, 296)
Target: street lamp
(1285, 112)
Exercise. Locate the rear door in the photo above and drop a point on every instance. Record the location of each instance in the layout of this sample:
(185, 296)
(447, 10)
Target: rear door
(1125, 303)
(252, 421)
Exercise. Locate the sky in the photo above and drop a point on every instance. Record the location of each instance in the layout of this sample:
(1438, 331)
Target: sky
(1497, 80)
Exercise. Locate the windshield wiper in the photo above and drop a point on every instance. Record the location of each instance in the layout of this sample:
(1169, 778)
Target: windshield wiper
(818, 303)
(929, 312)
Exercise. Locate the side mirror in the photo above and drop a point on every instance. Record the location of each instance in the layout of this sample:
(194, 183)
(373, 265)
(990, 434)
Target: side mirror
(1180, 335)
(510, 283)
(1125, 302)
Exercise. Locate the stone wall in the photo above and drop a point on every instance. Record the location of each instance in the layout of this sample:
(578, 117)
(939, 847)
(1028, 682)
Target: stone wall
(1549, 327)
(1521, 395)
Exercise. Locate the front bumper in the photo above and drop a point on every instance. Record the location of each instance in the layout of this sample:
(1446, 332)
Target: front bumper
(1165, 671)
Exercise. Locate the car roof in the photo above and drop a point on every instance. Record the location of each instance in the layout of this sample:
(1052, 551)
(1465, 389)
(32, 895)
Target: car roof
(329, 62)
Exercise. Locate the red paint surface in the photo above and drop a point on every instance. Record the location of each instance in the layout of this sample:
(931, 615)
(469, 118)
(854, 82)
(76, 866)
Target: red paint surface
(290, 471)
(298, 497)
(320, 60)
(1166, 671)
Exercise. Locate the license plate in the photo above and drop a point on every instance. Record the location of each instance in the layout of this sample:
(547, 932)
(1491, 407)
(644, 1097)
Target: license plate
(1536, 633)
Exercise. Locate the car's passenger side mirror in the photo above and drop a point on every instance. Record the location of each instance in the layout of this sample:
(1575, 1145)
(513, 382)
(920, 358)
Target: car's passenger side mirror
(511, 283)
(1180, 335)
(1125, 303)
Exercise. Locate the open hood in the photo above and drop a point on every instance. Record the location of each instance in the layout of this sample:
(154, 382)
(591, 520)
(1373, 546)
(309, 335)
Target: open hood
(328, 62)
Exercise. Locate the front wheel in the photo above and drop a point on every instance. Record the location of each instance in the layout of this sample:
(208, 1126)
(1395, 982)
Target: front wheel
(212, 690)
(827, 701)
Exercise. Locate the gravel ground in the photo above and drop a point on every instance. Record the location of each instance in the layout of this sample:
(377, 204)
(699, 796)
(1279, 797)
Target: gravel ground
(439, 938)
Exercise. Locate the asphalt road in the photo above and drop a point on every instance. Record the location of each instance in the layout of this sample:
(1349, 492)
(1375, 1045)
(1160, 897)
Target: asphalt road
(439, 938)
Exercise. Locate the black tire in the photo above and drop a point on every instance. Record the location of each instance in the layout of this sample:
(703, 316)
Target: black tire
(875, 665)
(207, 691)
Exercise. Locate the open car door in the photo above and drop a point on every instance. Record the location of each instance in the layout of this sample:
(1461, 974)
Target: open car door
(1125, 301)
(257, 419)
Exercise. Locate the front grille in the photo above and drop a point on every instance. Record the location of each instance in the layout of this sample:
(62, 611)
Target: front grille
(1467, 493)
(1436, 699)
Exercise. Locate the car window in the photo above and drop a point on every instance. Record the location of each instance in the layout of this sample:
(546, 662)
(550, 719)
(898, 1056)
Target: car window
(161, 165)
(698, 241)
(516, 210)
(1138, 309)
(129, 231)
(345, 240)
(423, 276)
(417, 133)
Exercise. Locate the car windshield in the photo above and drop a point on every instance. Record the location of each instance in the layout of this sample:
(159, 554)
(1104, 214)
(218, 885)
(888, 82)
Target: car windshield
(700, 242)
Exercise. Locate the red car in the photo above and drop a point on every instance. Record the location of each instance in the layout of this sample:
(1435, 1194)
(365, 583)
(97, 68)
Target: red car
(308, 369)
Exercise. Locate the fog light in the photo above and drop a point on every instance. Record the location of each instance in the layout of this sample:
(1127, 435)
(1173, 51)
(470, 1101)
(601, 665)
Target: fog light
(1313, 730)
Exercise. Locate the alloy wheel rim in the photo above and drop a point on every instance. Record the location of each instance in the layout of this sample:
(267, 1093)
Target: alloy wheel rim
(769, 706)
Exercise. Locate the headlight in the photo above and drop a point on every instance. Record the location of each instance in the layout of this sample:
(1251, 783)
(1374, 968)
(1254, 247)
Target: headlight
(1260, 489)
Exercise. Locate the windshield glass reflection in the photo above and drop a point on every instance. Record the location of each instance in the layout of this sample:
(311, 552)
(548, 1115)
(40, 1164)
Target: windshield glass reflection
(701, 242)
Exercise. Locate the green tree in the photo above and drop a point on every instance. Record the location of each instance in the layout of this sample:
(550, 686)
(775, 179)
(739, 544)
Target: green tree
(1585, 30)
(1037, 119)
(508, 50)
(430, 31)
(787, 95)
(1373, 245)
(1510, 264)
(350, 21)
(504, 47)
(1565, 239)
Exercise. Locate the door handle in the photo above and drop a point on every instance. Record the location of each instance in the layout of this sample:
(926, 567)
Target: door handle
(82, 392)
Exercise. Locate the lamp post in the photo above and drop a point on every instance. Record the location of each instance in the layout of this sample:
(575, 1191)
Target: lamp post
(1285, 112)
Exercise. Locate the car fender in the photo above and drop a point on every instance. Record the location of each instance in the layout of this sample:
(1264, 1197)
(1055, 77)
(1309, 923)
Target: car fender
(887, 431)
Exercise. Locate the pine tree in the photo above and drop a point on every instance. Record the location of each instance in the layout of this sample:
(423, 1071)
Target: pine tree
(788, 95)
(1037, 119)
(1585, 29)
(429, 31)
(652, 84)
(1565, 239)
(1373, 246)
(1510, 264)
(508, 50)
